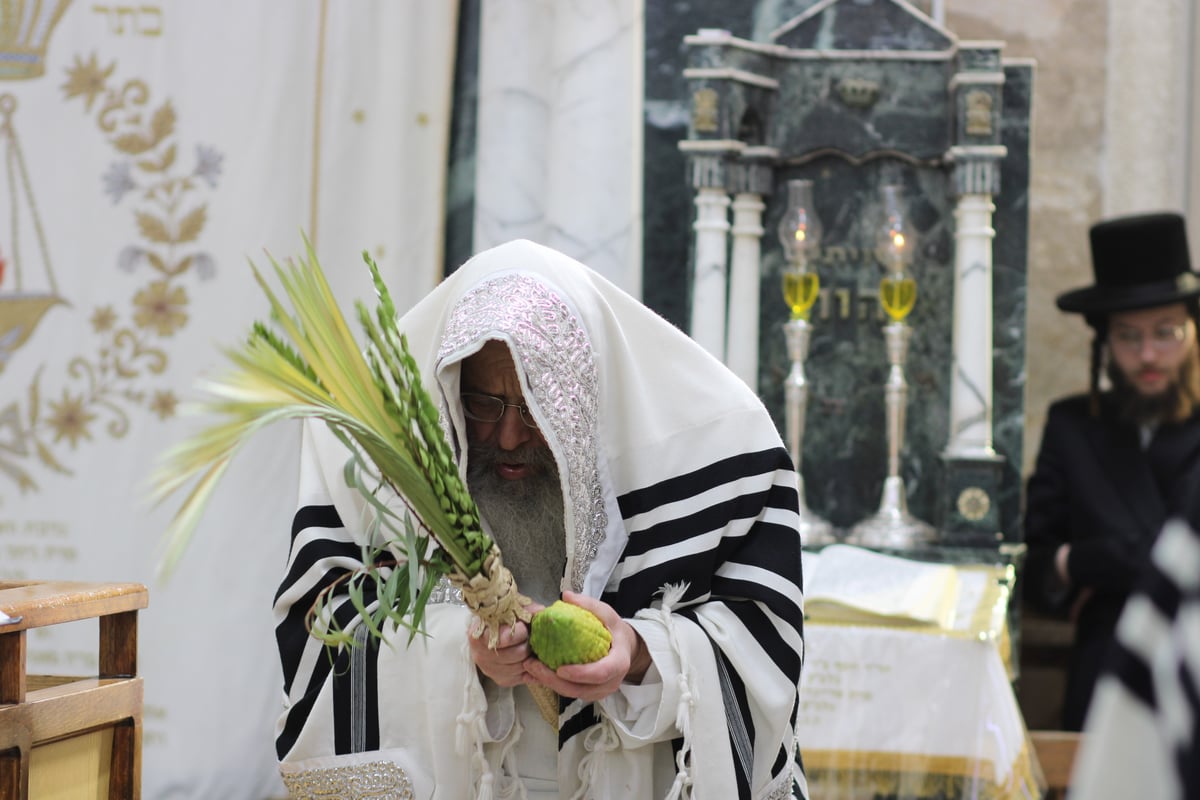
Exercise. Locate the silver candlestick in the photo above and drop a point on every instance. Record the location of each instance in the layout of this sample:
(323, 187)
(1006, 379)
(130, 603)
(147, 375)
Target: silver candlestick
(892, 526)
(799, 232)
(813, 529)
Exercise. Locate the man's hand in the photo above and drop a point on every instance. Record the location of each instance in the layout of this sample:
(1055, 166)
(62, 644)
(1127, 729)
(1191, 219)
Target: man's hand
(1060, 563)
(627, 659)
(505, 664)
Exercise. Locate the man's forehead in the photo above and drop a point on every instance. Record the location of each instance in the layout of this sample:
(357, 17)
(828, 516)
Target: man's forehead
(493, 362)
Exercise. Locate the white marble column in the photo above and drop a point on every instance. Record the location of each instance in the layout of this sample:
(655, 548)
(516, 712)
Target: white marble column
(741, 351)
(712, 261)
(971, 379)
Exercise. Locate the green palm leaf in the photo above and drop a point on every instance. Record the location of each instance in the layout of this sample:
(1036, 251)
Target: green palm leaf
(309, 365)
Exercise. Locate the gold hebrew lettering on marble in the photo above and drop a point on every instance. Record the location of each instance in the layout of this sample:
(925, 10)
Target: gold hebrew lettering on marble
(868, 302)
(846, 303)
(705, 105)
(843, 300)
(979, 112)
(858, 92)
(836, 255)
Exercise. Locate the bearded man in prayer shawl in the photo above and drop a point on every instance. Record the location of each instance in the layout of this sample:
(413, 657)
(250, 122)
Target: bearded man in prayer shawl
(616, 463)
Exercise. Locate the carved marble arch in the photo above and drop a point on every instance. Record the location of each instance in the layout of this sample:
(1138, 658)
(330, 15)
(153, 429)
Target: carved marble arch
(853, 95)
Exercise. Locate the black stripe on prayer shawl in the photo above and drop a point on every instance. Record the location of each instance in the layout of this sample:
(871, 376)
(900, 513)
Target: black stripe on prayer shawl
(314, 553)
(1129, 666)
(773, 548)
(1161, 591)
(324, 516)
(710, 518)
(788, 751)
(291, 635)
(1133, 672)
(356, 724)
(1185, 751)
(1189, 765)
(356, 699)
(297, 715)
(741, 727)
(759, 626)
(682, 487)
(738, 535)
(311, 517)
(293, 725)
(583, 719)
(764, 545)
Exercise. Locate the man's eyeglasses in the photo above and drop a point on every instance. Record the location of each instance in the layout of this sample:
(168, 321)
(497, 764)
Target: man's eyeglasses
(1164, 338)
(489, 408)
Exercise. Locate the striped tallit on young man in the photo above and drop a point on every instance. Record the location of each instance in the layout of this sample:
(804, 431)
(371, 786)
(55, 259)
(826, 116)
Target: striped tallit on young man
(679, 510)
(1142, 735)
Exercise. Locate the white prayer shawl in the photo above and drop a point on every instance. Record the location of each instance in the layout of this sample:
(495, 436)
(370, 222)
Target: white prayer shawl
(1142, 734)
(674, 478)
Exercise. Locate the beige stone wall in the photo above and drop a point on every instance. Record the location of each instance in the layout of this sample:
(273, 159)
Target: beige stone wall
(1110, 114)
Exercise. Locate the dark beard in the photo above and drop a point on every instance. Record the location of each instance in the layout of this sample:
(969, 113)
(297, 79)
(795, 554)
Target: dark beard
(1176, 403)
(525, 517)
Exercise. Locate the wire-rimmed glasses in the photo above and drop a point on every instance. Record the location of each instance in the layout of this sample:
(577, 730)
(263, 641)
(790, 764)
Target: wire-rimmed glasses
(490, 408)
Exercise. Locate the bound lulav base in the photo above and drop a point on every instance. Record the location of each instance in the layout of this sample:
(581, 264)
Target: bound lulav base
(493, 597)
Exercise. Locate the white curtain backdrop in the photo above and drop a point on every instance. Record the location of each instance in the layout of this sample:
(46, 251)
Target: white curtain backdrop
(559, 140)
(149, 151)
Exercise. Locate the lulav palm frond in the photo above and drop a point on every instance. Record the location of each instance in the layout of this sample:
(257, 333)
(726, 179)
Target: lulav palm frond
(309, 365)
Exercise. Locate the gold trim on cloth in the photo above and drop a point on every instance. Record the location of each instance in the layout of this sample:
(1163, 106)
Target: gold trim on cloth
(375, 780)
(847, 774)
(988, 620)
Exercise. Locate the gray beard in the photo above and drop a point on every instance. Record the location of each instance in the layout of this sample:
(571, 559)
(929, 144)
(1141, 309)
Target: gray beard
(525, 517)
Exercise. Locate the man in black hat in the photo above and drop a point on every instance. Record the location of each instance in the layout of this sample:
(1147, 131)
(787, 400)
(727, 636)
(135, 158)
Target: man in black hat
(1114, 465)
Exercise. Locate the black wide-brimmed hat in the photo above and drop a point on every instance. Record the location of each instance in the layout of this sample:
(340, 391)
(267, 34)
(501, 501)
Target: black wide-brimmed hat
(1140, 262)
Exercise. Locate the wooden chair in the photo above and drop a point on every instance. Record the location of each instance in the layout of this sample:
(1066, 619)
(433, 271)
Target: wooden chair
(1056, 752)
(43, 717)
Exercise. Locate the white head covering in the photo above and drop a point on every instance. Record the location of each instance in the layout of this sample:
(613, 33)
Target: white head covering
(609, 381)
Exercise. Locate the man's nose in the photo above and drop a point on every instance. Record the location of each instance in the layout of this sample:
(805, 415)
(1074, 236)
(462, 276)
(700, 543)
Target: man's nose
(511, 430)
(1146, 349)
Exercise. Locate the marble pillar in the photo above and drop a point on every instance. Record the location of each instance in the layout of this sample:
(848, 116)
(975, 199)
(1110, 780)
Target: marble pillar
(971, 376)
(712, 260)
(741, 352)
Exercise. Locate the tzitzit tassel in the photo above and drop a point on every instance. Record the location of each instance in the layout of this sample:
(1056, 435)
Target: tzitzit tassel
(681, 788)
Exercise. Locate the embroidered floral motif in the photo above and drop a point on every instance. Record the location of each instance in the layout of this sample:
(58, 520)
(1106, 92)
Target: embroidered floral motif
(446, 592)
(104, 389)
(377, 780)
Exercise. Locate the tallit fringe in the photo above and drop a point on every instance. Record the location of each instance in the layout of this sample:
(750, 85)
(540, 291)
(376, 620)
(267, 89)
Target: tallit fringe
(681, 788)
(601, 740)
(510, 785)
(469, 737)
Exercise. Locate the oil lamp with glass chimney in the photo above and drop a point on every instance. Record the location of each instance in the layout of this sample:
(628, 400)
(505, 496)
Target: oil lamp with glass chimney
(800, 235)
(892, 526)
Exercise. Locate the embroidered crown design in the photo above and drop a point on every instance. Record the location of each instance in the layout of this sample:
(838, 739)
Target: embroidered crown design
(25, 28)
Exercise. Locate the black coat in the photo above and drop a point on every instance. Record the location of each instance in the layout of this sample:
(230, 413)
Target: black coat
(1094, 486)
